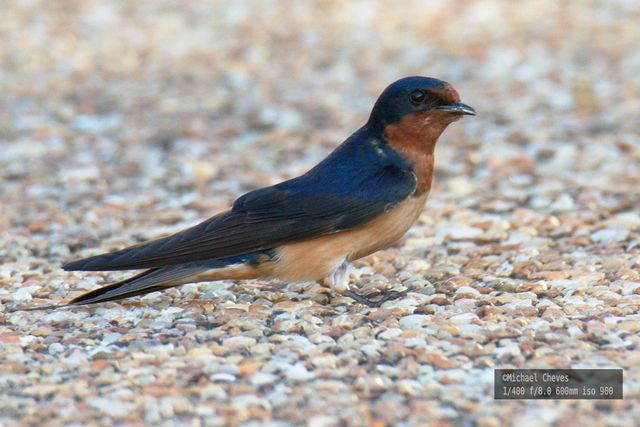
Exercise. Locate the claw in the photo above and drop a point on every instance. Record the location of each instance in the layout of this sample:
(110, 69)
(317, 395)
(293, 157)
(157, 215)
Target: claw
(388, 296)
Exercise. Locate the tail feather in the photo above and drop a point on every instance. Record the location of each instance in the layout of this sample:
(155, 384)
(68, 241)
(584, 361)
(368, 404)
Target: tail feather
(146, 282)
(244, 266)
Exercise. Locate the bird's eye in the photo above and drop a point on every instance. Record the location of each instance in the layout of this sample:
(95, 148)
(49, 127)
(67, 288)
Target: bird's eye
(417, 96)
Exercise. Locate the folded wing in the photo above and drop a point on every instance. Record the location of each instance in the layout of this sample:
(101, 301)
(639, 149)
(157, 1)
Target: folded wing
(328, 199)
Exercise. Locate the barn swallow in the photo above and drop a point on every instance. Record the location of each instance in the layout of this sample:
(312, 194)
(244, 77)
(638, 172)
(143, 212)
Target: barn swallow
(361, 198)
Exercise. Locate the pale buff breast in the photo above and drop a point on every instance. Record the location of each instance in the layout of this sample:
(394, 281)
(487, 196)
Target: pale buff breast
(316, 258)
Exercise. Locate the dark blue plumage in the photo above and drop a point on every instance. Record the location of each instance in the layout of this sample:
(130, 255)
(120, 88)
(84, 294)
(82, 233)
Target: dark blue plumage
(351, 186)
(394, 103)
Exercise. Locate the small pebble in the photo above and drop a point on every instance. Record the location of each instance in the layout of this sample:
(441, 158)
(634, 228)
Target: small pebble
(127, 121)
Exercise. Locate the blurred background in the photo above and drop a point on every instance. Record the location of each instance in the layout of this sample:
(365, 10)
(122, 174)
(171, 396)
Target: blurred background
(121, 120)
(124, 97)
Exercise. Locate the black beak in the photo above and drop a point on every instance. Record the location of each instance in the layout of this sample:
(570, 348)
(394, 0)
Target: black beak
(457, 108)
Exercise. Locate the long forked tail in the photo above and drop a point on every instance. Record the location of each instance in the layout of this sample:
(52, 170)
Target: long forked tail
(247, 266)
(146, 282)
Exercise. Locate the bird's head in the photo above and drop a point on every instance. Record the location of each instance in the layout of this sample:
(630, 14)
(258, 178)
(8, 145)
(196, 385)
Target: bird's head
(423, 103)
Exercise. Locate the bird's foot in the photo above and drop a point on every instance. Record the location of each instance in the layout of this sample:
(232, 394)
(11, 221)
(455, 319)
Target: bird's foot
(387, 296)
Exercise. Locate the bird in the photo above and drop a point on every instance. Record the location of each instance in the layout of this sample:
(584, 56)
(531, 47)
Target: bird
(361, 198)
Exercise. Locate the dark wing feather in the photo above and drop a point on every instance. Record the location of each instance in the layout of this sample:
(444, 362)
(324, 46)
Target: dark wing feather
(351, 187)
(156, 279)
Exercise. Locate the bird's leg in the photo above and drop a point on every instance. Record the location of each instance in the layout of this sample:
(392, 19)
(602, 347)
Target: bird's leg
(338, 281)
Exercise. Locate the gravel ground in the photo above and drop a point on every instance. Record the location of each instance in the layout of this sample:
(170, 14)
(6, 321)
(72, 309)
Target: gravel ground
(121, 121)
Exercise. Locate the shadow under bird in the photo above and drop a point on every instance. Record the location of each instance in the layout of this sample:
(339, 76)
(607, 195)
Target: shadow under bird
(361, 198)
